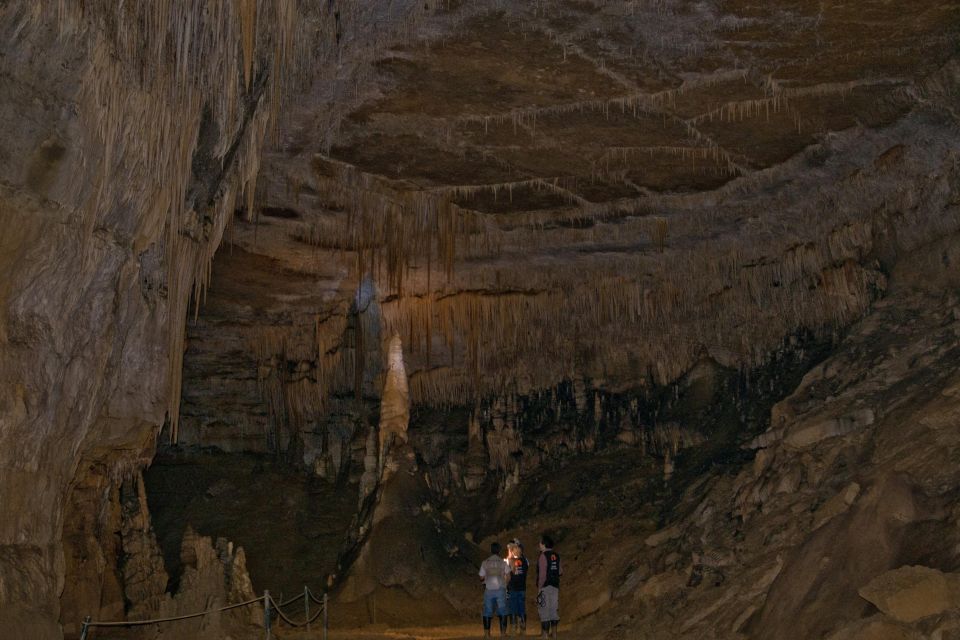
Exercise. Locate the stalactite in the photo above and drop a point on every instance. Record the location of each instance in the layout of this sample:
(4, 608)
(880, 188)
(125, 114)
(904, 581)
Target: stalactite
(505, 331)
(163, 63)
(666, 320)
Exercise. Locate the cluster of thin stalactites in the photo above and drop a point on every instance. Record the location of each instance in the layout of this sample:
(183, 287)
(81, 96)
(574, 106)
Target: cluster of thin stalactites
(157, 72)
(169, 62)
(486, 328)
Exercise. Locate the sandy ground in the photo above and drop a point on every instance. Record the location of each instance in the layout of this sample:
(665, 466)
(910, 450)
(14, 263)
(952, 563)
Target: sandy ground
(382, 632)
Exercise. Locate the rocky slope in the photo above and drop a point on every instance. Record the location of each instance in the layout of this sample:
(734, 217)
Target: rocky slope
(844, 524)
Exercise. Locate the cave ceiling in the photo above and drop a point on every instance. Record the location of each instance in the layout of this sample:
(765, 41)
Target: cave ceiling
(546, 190)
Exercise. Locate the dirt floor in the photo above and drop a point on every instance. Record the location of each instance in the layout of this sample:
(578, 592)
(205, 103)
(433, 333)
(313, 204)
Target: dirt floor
(381, 632)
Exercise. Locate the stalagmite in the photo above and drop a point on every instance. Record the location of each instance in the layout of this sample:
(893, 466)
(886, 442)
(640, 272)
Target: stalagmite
(395, 402)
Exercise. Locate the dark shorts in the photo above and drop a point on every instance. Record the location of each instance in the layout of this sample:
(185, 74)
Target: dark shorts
(517, 603)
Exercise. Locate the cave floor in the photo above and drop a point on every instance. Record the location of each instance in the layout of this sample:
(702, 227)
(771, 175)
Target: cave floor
(382, 632)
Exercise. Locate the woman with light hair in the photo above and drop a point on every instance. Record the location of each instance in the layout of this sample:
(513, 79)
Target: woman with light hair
(517, 587)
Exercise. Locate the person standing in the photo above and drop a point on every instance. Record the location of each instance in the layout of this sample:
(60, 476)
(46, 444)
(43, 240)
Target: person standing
(517, 587)
(549, 571)
(494, 572)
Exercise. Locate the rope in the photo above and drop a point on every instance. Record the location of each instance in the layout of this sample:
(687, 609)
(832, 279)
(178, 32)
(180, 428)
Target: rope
(291, 622)
(290, 601)
(315, 616)
(137, 623)
(313, 597)
(276, 607)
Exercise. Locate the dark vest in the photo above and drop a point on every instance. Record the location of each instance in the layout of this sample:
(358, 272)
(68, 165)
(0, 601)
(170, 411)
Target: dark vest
(518, 579)
(553, 569)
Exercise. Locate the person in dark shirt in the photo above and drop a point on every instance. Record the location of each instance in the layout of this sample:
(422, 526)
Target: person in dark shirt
(517, 587)
(549, 571)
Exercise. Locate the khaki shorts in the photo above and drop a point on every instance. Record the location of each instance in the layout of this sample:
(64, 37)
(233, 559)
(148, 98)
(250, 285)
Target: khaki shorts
(548, 604)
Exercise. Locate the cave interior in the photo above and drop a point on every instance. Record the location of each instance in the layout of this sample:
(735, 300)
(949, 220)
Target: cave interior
(321, 299)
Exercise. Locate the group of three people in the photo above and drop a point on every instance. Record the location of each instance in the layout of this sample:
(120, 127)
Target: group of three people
(505, 582)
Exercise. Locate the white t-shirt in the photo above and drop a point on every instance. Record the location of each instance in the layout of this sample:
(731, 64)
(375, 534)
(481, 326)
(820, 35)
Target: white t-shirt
(494, 572)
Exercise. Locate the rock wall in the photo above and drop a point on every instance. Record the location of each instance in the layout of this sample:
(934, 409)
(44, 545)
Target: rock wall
(847, 513)
(136, 135)
(849, 206)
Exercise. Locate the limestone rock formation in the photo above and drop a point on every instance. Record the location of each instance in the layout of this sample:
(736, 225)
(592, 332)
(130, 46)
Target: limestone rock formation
(143, 573)
(816, 530)
(876, 628)
(608, 234)
(395, 401)
(213, 575)
(134, 135)
(406, 565)
(398, 544)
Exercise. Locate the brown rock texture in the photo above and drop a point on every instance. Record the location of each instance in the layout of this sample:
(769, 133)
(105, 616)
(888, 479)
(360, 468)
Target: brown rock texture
(510, 196)
(814, 535)
(217, 219)
(134, 135)
(908, 594)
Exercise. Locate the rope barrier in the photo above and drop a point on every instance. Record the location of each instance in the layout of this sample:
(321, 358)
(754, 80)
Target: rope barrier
(290, 622)
(265, 599)
(314, 598)
(290, 601)
(137, 623)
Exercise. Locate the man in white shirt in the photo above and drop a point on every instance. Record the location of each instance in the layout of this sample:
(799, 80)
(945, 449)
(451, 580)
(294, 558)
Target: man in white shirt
(495, 572)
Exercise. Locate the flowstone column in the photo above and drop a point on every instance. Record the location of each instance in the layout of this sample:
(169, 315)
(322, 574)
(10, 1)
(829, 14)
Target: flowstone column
(394, 420)
(395, 404)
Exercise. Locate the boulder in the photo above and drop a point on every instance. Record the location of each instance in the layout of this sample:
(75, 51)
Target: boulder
(911, 593)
